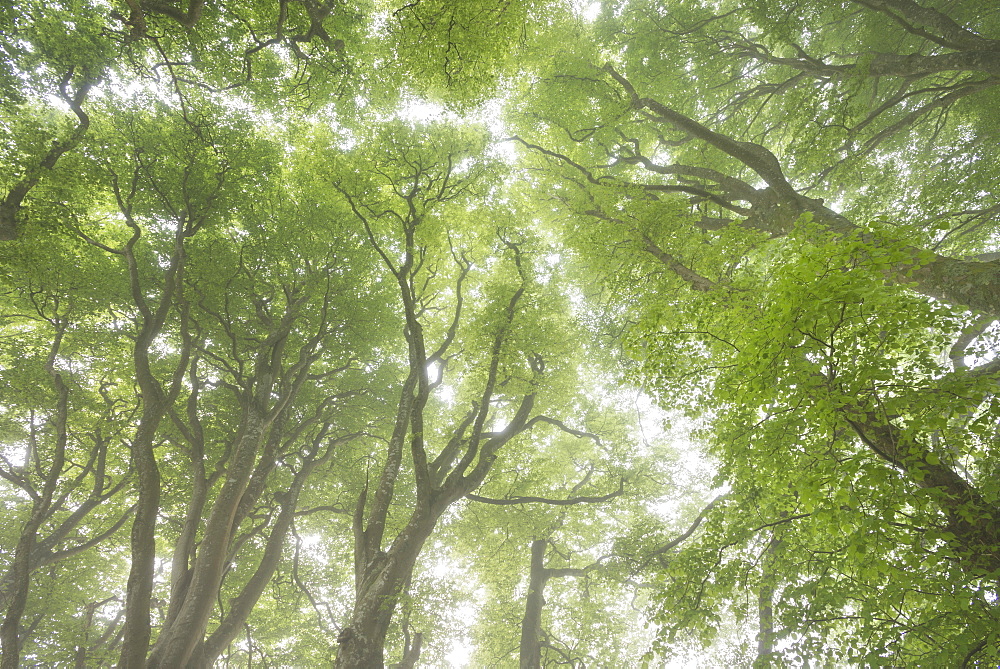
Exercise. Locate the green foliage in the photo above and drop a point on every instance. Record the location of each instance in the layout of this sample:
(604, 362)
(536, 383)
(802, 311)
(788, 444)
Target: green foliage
(764, 214)
(824, 342)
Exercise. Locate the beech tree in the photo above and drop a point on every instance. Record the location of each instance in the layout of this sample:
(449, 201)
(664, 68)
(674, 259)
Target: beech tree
(499, 357)
(833, 334)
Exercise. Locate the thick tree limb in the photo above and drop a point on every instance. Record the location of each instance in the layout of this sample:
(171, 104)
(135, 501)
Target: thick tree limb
(186, 18)
(693, 279)
(912, 65)
(958, 350)
(974, 521)
(753, 155)
(734, 188)
(10, 206)
(946, 31)
(570, 501)
(972, 284)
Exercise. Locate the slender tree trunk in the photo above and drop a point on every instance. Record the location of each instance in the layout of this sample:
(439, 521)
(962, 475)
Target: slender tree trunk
(41, 509)
(10, 641)
(411, 652)
(531, 624)
(139, 589)
(242, 605)
(765, 608)
(156, 403)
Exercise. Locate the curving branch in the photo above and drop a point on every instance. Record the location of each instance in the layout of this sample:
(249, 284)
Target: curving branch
(10, 206)
(930, 24)
(879, 64)
(753, 155)
(684, 536)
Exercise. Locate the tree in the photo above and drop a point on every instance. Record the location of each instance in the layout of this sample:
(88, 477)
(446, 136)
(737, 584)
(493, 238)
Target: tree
(240, 360)
(555, 512)
(414, 202)
(66, 465)
(849, 421)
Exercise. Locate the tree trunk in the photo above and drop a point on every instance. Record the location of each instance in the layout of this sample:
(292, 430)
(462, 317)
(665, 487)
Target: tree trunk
(155, 404)
(411, 653)
(531, 624)
(765, 607)
(10, 642)
(178, 641)
(379, 586)
(242, 605)
(139, 589)
(361, 644)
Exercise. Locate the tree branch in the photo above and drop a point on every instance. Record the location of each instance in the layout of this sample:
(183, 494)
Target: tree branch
(570, 501)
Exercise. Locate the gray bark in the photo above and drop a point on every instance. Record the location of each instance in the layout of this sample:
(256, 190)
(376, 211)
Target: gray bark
(531, 625)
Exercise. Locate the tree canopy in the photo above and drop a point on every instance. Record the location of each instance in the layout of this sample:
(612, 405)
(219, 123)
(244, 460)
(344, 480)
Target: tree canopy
(499, 334)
